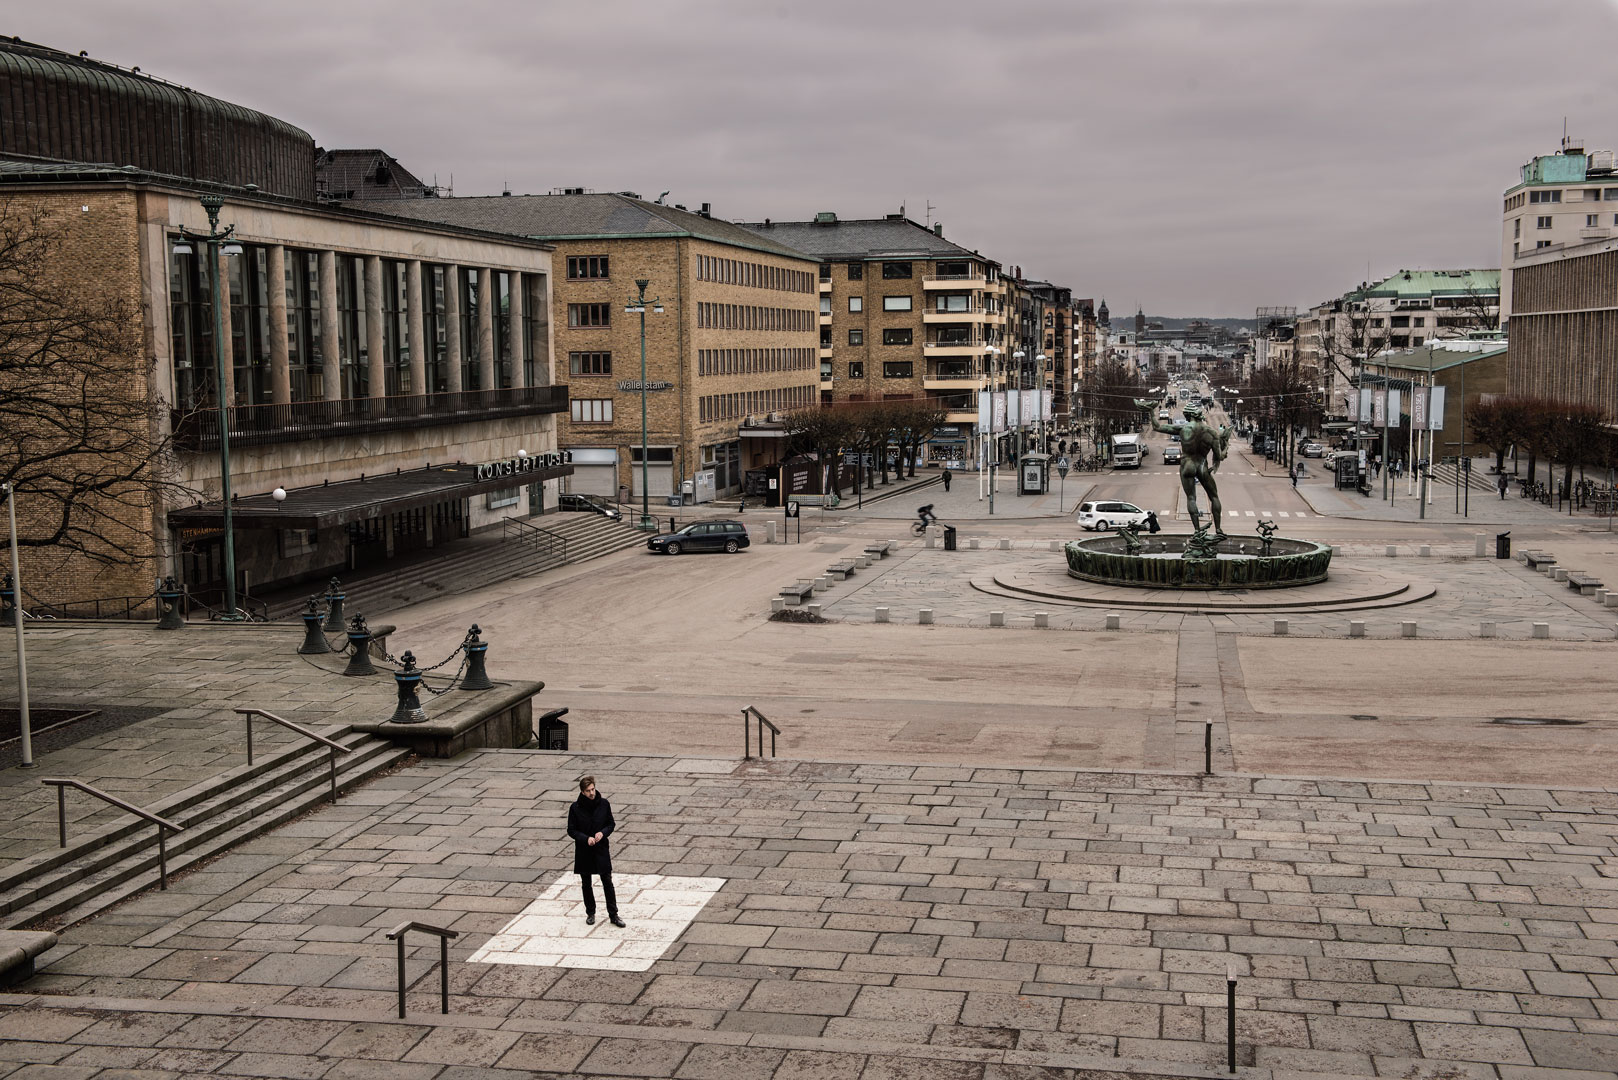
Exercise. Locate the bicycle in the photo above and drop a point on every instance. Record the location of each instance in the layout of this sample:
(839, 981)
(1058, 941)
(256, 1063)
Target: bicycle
(925, 518)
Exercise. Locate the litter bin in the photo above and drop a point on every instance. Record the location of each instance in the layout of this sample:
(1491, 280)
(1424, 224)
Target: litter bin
(949, 538)
(1502, 545)
(553, 730)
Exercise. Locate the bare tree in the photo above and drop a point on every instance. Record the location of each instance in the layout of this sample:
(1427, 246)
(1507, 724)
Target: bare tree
(79, 428)
(914, 422)
(1498, 423)
(826, 433)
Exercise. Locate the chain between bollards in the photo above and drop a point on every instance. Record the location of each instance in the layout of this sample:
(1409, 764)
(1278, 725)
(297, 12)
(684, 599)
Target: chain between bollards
(334, 605)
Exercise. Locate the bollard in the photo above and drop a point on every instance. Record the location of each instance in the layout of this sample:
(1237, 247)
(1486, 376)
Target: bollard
(777, 603)
(477, 676)
(1207, 748)
(997, 618)
(1425, 551)
(925, 616)
(359, 648)
(1481, 540)
(1356, 628)
(10, 615)
(1601, 597)
(1005, 544)
(814, 610)
(314, 638)
(1280, 628)
(1612, 597)
(1114, 621)
(928, 543)
(822, 583)
(1407, 628)
(408, 681)
(1559, 573)
(1042, 620)
(168, 596)
(1336, 551)
(1486, 629)
(972, 544)
(1542, 629)
(1392, 552)
(769, 530)
(334, 605)
(881, 614)
(1056, 545)
(1230, 1019)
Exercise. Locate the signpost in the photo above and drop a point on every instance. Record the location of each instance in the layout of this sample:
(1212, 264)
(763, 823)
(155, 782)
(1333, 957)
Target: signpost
(1061, 483)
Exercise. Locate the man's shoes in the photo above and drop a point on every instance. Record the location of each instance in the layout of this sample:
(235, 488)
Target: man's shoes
(590, 919)
(615, 920)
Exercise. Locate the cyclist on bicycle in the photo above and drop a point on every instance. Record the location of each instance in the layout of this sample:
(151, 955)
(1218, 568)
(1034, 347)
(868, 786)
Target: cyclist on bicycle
(927, 517)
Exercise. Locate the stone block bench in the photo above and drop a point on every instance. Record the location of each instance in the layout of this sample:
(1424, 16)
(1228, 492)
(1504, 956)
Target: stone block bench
(797, 594)
(880, 549)
(1584, 584)
(18, 948)
(1538, 561)
(841, 570)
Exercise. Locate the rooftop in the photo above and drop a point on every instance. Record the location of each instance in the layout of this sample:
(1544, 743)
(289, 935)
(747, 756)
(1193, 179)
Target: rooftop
(864, 238)
(1414, 283)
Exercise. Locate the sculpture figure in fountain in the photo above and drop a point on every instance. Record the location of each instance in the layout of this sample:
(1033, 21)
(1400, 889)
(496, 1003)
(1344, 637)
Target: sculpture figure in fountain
(1198, 441)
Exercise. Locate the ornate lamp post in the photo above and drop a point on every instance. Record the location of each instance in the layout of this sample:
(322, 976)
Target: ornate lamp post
(214, 241)
(637, 306)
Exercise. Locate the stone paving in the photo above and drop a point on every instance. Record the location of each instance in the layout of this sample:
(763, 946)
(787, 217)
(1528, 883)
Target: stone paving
(877, 922)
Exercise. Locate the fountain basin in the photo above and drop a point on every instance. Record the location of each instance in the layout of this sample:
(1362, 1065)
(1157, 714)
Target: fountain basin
(1161, 563)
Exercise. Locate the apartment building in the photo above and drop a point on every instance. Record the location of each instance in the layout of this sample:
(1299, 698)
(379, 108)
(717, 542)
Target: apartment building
(903, 313)
(1561, 200)
(731, 336)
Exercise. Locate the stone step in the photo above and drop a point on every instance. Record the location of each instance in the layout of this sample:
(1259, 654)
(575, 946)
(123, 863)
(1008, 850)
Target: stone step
(100, 870)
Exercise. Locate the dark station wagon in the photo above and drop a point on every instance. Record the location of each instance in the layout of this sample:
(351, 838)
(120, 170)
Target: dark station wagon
(727, 536)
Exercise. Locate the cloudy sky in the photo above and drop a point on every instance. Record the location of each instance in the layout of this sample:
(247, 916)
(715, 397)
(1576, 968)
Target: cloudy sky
(1198, 157)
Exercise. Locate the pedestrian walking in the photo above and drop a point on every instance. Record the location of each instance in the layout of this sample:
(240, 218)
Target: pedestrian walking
(946, 479)
(1152, 525)
(1297, 471)
(1502, 483)
(589, 823)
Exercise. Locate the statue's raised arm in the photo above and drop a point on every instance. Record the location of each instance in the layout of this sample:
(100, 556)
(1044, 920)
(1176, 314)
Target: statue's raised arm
(1147, 407)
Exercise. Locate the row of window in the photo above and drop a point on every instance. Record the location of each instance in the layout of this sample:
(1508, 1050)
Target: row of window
(891, 369)
(751, 361)
(753, 275)
(587, 268)
(591, 410)
(1555, 196)
(893, 335)
(751, 317)
(943, 304)
(754, 402)
(894, 271)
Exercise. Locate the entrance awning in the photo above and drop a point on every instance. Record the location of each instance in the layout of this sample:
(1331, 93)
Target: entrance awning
(331, 505)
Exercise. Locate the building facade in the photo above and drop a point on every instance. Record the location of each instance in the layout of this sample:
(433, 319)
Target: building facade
(1564, 325)
(1560, 201)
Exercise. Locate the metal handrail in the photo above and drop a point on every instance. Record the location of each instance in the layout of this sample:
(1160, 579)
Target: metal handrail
(529, 533)
(331, 754)
(398, 934)
(763, 722)
(162, 823)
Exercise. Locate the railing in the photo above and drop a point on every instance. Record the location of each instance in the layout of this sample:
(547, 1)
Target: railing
(552, 545)
(747, 745)
(254, 609)
(161, 823)
(398, 934)
(331, 753)
(256, 425)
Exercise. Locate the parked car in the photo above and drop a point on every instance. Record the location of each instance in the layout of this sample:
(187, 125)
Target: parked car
(726, 536)
(1109, 515)
(1172, 453)
(1312, 449)
(588, 504)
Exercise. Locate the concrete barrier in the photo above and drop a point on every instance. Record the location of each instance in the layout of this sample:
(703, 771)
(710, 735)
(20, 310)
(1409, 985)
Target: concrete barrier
(1056, 545)
(1280, 628)
(1336, 551)
(1425, 551)
(997, 618)
(930, 541)
(1559, 574)
(1480, 543)
(1005, 544)
(881, 614)
(1612, 597)
(822, 583)
(1114, 621)
(778, 603)
(972, 544)
(1042, 620)
(769, 531)
(1488, 629)
(1356, 628)
(1392, 552)
(1542, 629)
(1601, 597)
(814, 609)
(925, 616)
(1407, 628)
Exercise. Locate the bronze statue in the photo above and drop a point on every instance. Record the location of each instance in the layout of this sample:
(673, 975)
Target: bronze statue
(1197, 440)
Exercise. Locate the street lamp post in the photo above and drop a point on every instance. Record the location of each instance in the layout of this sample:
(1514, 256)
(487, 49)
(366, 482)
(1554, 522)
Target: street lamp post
(214, 241)
(637, 305)
(27, 745)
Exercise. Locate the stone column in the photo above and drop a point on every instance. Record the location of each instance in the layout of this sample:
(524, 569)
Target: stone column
(452, 327)
(417, 329)
(275, 263)
(228, 392)
(486, 302)
(331, 383)
(375, 334)
(514, 339)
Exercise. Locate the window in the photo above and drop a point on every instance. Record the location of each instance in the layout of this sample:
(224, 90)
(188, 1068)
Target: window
(825, 337)
(589, 363)
(1401, 320)
(1516, 227)
(857, 303)
(586, 267)
(897, 369)
(1416, 341)
(856, 271)
(893, 270)
(1542, 244)
(1610, 194)
(592, 410)
(1419, 320)
(896, 303)
(954, 269)
(1543, 221)
(952, 302)
(825, 271)
(897, 336)
(589, 315)
(856, 369)
(503, 498)
(295, 542)
(825, 305)
(1544, 196)
(1592, 220)
(856, 337)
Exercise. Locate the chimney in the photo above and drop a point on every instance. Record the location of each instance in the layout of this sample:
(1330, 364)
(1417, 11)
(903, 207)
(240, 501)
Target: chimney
(707, 210)
(938, 228)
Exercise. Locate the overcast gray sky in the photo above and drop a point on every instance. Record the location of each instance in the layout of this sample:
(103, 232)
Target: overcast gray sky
(1199, 157)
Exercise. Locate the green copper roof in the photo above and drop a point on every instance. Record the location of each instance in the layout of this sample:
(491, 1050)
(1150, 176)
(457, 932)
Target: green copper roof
(1413, 284)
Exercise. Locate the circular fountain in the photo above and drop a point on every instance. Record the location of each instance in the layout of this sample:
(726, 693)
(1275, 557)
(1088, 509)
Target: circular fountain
(1198, 561)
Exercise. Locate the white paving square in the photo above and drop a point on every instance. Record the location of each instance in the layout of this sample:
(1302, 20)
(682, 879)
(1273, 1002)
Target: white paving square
(551, 931)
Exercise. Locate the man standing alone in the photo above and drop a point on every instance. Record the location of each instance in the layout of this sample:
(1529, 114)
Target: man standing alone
(589, 823)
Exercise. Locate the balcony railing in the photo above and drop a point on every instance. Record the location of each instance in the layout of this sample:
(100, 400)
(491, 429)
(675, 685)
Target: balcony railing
(297, 421)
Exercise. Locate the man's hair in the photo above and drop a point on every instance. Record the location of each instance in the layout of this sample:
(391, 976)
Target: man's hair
(586, 781)
(1192, 410)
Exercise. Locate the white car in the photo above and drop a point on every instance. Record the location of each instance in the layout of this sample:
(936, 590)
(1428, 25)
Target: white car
(1109, 515)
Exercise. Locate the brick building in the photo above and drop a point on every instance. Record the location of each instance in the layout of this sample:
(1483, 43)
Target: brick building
(734, 343)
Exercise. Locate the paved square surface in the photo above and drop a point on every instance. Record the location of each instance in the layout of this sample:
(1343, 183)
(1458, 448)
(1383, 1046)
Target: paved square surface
(551, 932)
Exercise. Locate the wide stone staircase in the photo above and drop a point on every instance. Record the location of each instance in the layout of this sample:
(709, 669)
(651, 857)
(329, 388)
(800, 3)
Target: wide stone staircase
(106, 865)
(520, 547)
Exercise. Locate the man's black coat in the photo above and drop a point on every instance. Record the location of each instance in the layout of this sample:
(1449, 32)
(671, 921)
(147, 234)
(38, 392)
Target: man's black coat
(585, 818)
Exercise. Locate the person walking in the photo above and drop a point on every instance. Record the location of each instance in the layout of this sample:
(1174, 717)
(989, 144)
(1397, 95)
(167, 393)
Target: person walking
(1502, 483)
(946, 480)
(1297, 471)
(589, 823)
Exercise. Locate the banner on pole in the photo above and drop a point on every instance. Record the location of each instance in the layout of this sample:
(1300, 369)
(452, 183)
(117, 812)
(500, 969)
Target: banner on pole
(985, 412)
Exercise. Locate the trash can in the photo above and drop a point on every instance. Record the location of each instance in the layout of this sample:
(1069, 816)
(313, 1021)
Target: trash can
(949, 538)
(553, 730)
(1502, 545)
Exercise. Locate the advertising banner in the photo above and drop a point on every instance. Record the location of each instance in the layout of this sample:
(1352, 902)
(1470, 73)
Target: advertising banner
(1028, 409)
(985, 411)
(1379, 408)
(1365, 415)
(1418, 408)
(999, 412)
(1435, 409)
